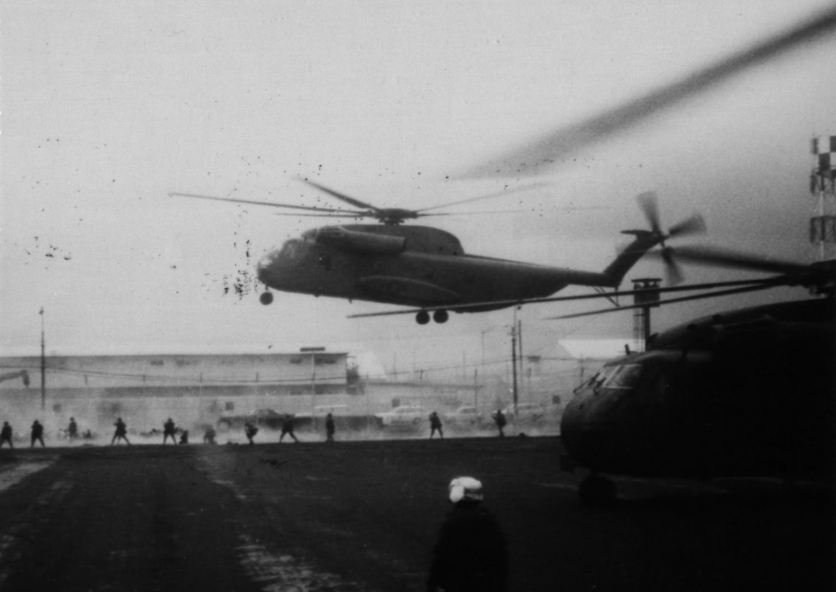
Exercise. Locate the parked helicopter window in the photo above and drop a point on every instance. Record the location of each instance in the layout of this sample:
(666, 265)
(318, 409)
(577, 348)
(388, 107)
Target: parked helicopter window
(603, 375)
(626, 376)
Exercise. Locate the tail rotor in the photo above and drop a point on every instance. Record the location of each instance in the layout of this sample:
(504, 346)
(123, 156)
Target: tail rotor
(695, 224)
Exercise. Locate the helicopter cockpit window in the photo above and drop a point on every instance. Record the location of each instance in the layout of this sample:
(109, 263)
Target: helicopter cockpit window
(602, 376)
(290, 251)
(626, 376)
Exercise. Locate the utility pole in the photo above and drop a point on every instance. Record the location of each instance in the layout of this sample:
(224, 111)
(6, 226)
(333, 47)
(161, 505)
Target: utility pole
(43, 362)
(514, 358)
(520, 356)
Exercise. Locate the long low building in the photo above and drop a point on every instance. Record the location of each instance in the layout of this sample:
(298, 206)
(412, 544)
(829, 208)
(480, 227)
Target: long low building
(175, 375)
(196, 388)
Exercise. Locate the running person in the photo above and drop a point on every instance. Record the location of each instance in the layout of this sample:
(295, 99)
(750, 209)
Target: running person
(37, 434)
(329, 428)
(121, 432)
(6, 435)
(169, 430)
(250, 431)
(287, 428)
(72, 430)
(500, 420)
(435, 425)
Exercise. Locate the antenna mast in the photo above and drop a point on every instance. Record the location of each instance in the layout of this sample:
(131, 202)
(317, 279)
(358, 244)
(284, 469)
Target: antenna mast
(43, 362)
(823, 182)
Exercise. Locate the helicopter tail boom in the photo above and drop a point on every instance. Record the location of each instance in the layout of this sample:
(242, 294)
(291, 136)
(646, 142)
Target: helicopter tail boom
(644, 241)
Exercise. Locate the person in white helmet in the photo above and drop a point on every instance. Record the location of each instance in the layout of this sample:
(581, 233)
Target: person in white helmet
(471, 554)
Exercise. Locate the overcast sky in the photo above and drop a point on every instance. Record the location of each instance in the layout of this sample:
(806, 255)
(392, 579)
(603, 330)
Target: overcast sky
(108, 106)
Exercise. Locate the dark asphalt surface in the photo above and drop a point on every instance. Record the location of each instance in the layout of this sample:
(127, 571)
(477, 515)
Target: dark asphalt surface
(364, 516)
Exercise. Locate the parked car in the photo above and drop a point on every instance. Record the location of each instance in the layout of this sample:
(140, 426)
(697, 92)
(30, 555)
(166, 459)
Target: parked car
(262, 418)
(405, 415)
(465, 417)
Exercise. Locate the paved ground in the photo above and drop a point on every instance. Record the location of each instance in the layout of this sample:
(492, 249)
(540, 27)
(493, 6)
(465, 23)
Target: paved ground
(364, 515)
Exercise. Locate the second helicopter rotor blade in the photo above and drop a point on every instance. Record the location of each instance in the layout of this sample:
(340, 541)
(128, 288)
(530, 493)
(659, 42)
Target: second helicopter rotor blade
(555, 147)
(713, 256)
(703, 296)
(341, 196)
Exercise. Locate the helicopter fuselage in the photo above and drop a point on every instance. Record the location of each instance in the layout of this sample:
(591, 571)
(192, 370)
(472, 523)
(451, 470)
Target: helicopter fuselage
(407, 265)
(748, 393)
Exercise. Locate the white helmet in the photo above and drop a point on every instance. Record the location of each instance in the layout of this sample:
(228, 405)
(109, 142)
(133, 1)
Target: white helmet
(465, 488)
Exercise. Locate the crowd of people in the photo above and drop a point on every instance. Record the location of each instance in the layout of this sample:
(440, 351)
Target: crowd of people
(170, 430)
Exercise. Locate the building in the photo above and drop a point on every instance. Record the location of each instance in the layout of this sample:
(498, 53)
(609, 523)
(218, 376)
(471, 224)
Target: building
(193, 389)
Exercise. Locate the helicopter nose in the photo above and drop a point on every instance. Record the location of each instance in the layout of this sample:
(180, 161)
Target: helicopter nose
(266, 268)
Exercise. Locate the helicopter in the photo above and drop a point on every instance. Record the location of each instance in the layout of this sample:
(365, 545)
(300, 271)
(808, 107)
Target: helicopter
(741, 393)
(428, 270)
(425, 267)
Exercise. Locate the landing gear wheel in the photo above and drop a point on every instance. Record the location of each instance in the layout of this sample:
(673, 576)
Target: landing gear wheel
(440, 316)
(596, 490)
(266, 298)
(422, 318)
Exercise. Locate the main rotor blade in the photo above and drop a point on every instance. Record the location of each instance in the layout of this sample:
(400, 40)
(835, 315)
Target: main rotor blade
(523, 301)
(753, 288)
(355, 202)
(507, 211)
(421, 215)
(264, 203)
(488, 196)
(472, 213)
(552, 148)
(341, 215)
(713, 256)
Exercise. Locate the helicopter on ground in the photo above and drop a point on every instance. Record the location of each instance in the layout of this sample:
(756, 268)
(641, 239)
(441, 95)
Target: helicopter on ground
(743, 393)
(424, 267)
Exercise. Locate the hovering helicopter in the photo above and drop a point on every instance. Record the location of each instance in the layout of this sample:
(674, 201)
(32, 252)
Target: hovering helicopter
(421, 266)
(744, 393)
(427, 268)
